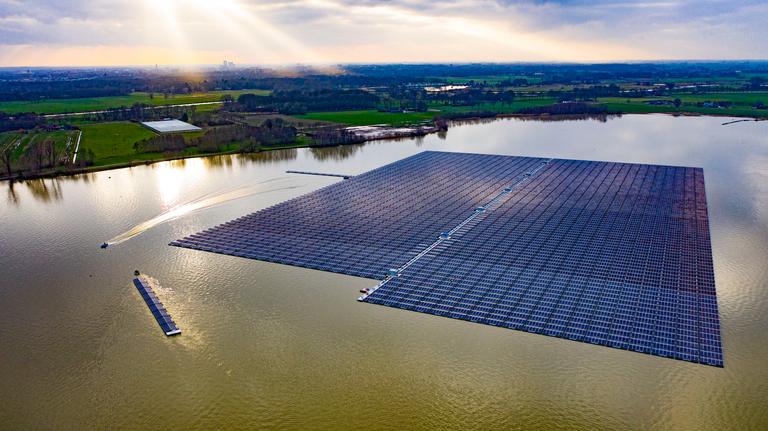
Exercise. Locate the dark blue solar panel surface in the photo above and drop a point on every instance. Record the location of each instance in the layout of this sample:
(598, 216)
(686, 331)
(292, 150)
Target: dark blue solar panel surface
(606, 253)
(156, 307)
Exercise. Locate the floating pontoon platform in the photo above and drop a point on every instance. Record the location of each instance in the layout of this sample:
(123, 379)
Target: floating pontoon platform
(156, 307)
(322, 174)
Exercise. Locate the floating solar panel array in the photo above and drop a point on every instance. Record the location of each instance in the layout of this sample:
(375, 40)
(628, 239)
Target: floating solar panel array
(156, 307)
(613, 254)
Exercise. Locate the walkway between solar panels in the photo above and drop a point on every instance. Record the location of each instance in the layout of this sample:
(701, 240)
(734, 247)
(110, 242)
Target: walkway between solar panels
(468, 223)
(322, 174)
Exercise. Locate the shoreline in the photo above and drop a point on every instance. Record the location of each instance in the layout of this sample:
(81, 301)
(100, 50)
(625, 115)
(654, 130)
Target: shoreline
(417, 131)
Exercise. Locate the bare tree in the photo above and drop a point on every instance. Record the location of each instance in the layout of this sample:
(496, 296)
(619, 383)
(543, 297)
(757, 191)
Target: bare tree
(50, 151)
(36, 155)
(6, 155)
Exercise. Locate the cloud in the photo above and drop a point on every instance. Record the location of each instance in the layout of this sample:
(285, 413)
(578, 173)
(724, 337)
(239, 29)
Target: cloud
(333, 31)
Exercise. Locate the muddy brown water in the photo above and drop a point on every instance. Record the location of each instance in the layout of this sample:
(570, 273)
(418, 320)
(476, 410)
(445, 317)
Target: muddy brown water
(272, 346)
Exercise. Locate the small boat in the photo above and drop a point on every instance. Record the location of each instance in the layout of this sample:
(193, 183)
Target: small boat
(104, 245)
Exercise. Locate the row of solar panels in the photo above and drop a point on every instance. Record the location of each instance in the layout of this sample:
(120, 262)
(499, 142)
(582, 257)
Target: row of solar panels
(162, 316)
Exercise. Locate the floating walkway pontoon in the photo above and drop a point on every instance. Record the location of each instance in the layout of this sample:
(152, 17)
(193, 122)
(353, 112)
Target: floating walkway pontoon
(156, 307)
(346, 177)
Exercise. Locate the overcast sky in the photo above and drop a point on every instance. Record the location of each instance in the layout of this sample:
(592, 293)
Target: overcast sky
(136, 32)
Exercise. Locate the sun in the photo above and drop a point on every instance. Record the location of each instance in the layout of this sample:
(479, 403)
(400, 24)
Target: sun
(181, 24)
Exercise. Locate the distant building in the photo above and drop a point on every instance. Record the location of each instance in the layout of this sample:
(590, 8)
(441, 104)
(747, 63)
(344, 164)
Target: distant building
(446, 88)
(227, 64)
(170, 126)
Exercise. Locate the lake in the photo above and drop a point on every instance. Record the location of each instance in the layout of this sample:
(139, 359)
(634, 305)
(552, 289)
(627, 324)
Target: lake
(271, 346)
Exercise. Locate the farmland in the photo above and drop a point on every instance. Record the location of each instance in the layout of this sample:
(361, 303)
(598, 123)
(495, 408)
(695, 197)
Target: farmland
(369, 117)
(307, 109)
(24, 147)
(61, 106)
(501, 108)
(742, 104)
(112, 142)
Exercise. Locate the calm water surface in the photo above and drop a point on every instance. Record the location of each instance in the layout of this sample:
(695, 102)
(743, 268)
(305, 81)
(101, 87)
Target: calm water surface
(272, 346)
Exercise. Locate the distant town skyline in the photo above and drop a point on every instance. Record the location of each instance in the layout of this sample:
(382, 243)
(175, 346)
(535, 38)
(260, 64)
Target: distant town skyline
(170, 32)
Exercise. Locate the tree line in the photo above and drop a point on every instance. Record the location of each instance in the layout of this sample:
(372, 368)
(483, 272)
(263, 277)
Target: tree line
(303, 101)
(246, 138)
(23, 121)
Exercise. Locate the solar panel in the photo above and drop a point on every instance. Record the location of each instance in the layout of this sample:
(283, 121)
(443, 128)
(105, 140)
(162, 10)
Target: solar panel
(156, 307)
(606, 253)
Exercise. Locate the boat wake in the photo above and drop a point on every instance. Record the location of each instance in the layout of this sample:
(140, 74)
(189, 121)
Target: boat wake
(199, 204)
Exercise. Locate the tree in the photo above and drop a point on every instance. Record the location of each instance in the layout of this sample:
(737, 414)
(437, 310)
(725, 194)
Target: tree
(35, 155)
(50, 151)
(441, 123)
(756, 82)
(6, 155)
(677, 102)
(508, 97)
(86, 157)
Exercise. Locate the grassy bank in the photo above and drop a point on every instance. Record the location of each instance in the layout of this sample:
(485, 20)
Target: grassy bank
(61, 106)
(148, 158)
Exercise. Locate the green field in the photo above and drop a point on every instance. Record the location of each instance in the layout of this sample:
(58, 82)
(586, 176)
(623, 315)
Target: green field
(639, 108)
(60, 106)
(490, 79)
(742, 104)
(21, 141)
(369, 117)
(740, 98)
(500, 108)
(737, 98)
(113, 142)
